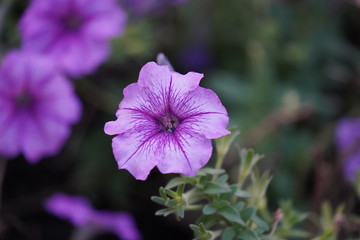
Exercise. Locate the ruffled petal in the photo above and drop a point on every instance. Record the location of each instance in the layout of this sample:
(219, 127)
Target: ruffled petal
(137, 151)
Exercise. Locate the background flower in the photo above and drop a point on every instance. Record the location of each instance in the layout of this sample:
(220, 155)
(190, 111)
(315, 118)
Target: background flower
(37, 106)
(74, 33)
(348, 143)
(166, 120)
(79, 212)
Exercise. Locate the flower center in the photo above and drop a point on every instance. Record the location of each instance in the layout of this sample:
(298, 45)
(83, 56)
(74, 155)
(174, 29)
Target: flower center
(169, 123)
(24, 100)
(72, 22)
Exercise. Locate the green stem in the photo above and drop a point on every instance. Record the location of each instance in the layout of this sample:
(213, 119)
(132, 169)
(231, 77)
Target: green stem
(193, 207)
(220, 160)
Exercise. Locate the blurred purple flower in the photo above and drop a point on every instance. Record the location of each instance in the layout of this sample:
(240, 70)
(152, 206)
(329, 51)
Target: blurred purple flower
(74, 33)
(37, 106)
(352, 166)
(348, 143)
(79, 212)
(197, 55)
(166, 120)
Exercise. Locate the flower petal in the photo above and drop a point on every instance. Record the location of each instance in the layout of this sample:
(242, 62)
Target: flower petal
(61, 103)
(73, 208)
(10, 129)
(78, 55)
(202, 111)
(183, 152)
(42, 136)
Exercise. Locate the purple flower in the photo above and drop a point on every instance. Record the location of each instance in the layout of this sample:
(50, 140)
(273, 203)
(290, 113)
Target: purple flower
(348, 143)
(166, 120)
(79, 212)
(352, 166)
(37, 106)
(74, 33)
(347, 133)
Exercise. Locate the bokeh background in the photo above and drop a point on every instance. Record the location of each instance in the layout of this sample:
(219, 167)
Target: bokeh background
(286, 70)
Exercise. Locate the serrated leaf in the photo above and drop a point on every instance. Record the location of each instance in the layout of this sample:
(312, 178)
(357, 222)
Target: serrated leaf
(209, 209)
(248, 213)
(174, 182)
(215, 188)
(230, 214)
(228, 234)
(158, 200)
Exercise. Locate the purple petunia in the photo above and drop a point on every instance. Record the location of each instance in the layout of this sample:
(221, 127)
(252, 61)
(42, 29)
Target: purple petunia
(166, 120)
(74, 33)
(348, 143)
(79, 212)
(37, 106)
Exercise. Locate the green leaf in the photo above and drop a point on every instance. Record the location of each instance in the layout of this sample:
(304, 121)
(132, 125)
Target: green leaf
(180, 189)
(242, 194)
(222, 179)
(210, 171)
(262, 226)
(209, 209)
(164, 212)
(174, 182)
(248, 234)
(215, 188)
(162, 193)
(170, 193)
(230, 214)
(158, 200)
(195, 228)
(228, 234)
(239, 206)
(248, 213)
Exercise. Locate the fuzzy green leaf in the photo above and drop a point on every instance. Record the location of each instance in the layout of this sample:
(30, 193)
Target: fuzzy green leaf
(174, 182)
(230, 214)
(158, 200)
(215, 188)
(228, 234)
(209, 209)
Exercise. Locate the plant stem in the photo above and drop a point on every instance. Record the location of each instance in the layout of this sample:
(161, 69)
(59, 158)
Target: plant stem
(220, 160)
(193, 207)
(3, 163)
